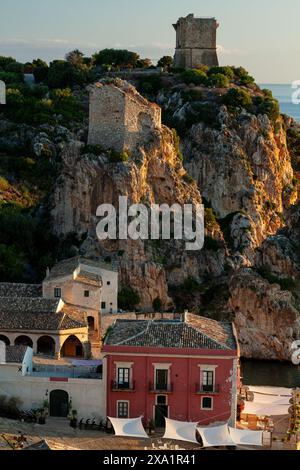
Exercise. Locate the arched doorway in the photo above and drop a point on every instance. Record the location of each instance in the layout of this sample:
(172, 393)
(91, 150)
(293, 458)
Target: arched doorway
(72, 347)
(23, 341)
(59, 404)
(46, 346)
(91, 323)
(5, 340)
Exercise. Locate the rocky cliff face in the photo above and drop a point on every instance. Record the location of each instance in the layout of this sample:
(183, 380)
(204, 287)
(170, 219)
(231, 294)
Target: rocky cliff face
(154, 174)
(245, 170)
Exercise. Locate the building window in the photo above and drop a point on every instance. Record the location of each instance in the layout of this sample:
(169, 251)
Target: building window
(161, 379)
(86, 293)
(207, 403)
(123, 377)
(103, 305)
(57, 293)
(108, 283)
(208, 380)
(123, 409)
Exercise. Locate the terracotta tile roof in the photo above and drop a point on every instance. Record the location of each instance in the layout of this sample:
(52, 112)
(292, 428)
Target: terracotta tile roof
(20, 290)
(38, 314)
(28, 304)
(29, 321)
(67, 267)
(15, 354)
(193, 334)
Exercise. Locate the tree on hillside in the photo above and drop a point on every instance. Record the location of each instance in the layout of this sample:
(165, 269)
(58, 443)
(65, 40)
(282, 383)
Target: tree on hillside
(40, 70)
(64, 74)
(144, 63)
(166, 62)
(5, 61)
(75, 57)
(118, 58)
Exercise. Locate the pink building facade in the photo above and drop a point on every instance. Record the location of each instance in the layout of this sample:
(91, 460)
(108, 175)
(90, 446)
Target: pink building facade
(184, 370)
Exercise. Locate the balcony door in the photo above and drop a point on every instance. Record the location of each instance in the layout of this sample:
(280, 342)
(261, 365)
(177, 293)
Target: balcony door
(208, 381)
(161, 379)
(123, 378)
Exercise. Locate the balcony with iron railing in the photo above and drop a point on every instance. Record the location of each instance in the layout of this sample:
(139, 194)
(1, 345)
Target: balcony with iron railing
(122, 387)
(160, 388)
(207, 389)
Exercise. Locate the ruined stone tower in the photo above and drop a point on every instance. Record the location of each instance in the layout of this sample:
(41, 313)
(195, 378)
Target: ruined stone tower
(120, 118)
(196, 42)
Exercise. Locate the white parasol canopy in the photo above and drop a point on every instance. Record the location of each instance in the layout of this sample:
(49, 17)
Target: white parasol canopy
(129, 427)
(216, 436)
(265, 409)
(244, 437)
(180, 431)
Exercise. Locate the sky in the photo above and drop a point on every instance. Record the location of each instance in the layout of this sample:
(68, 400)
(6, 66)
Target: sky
(261, 35)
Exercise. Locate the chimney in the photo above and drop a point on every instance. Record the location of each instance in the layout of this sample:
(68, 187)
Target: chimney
(185, 316)
(47, 272)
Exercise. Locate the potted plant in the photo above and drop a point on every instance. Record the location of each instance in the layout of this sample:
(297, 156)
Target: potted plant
(41, 417)
(74, 419)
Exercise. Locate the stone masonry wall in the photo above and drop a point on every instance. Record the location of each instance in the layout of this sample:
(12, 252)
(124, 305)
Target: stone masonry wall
(196, 42)
(120, 118)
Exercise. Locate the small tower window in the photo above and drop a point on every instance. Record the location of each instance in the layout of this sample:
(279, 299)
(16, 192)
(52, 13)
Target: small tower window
(108, 283)
(103, 305)
(86, 293)
(57, 293)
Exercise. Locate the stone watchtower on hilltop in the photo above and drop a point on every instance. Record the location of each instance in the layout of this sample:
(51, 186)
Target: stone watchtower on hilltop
(120, 118)
(196, 42)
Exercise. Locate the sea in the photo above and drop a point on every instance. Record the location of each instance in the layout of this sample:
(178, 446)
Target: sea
(283, 93)
(265, 372)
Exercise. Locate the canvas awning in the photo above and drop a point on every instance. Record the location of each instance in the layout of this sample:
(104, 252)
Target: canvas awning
(216, 436)
(129, 427)
(181, 431)
(269, 401)
(278, 391)
(244, 437)
(265, 409)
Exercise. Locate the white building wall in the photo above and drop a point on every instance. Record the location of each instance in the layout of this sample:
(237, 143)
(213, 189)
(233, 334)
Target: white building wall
(88, 396)
(109, 291)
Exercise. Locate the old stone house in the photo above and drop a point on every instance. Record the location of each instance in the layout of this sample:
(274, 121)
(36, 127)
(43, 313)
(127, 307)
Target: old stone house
(61, 317)
(120, 118)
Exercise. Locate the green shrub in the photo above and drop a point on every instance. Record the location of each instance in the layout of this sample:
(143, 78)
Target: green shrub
(202, 112)
(227, 71)
(211, 244)
(188, 179)
(117, 157)
(176, 140)
(236, 97)
(242, 76)
(150, 85)
(197, 77)
(190, 285)
(94, 149)
(218, 80)
(4, 184)
(285, 283)
(128, 298)
(210, 219)
(192, 95)
(157, 304)
(268, 106)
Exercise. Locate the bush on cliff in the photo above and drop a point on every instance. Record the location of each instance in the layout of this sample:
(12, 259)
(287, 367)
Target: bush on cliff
(128, 299)
(269, 106)
(195, 76)
(227, 71)
(236, 97)
(218, 80)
